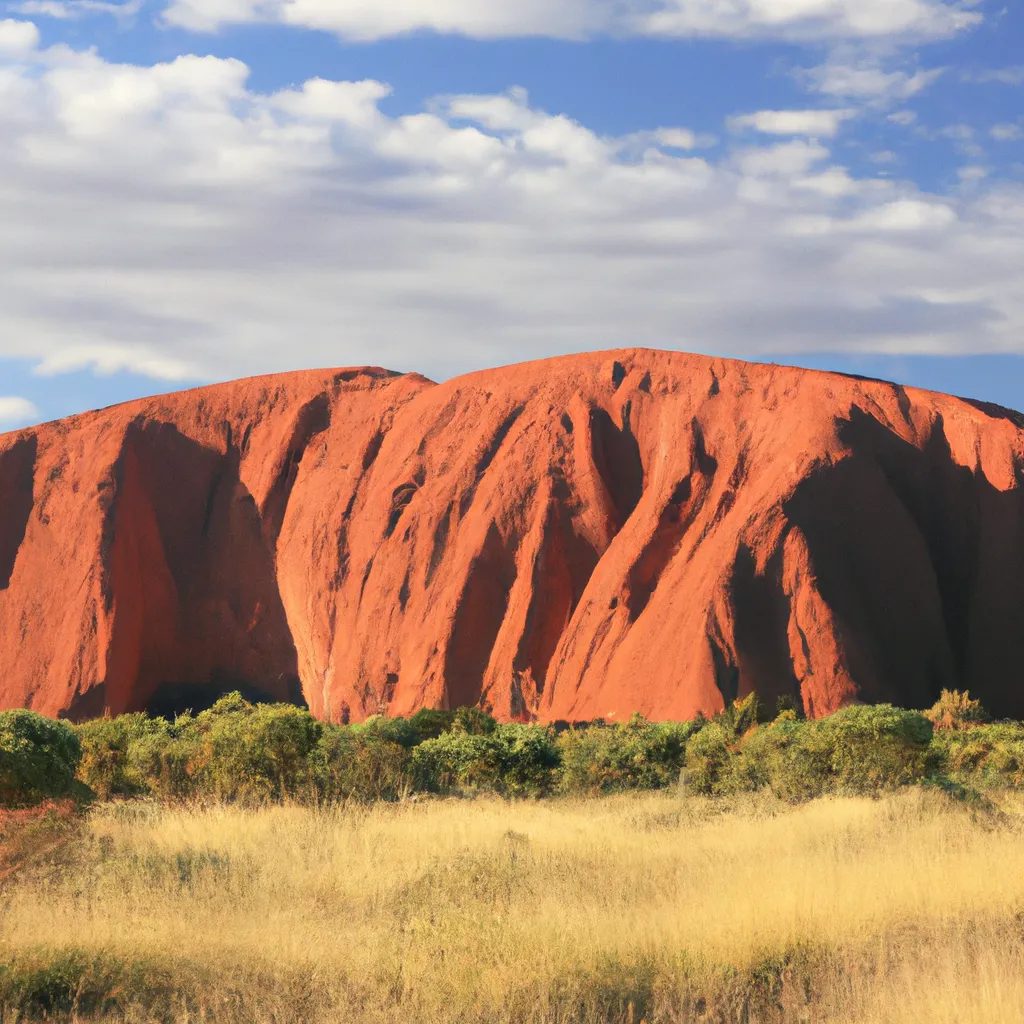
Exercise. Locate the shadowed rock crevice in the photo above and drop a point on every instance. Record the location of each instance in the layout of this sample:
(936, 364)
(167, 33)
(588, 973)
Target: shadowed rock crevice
(17, 475)
(173, 699)
(401, 499)
(762, 614)
(724, 662)
(192, 585)
(439, 543)
(684, 506)
(481, 611)
(922, 563)
(487, 456)
(561, 571)
(314, 418)
(943, 499)
(616, 456)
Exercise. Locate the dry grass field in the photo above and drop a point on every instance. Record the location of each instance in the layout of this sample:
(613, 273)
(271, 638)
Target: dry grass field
(632, 908)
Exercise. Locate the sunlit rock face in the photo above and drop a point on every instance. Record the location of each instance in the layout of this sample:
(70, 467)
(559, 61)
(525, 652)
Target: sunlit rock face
(576, 538)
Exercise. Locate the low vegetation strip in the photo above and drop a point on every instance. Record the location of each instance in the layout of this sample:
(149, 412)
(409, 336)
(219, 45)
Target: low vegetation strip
(241, 752)
(653, 907)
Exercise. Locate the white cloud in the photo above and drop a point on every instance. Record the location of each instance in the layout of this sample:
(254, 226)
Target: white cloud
(1004, 76)
(868, 80)
(172, 221)
(677, 138)
(787, 159)
(885, 156)
(16, 411)
(71, 10)
(963, 137)
(571, 19)
(906, 215)
(816, 123)
(105, 359)
(1005, 132)
(904, 118)
(17, 38)
(972, 173)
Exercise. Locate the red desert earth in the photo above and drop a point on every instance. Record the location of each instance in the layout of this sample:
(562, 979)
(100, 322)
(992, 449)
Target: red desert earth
(576, 538)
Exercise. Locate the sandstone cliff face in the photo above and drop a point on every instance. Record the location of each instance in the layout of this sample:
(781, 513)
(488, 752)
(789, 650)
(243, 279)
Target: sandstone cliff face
(575, 538)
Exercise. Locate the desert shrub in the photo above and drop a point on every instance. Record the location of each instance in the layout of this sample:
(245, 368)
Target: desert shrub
(516, 760)
(859, 749)
(529, 759)
(359, 764)
(429, 723)
(472, 721)
(634, 755)
(788, 756)
(252, 752)
(876, 747)
(38, 758)
(111, 764)
(956, 710)
(986, 756)
(172, 763)
(741, 715)
(402, 731)
(457, 761)
(708, 759)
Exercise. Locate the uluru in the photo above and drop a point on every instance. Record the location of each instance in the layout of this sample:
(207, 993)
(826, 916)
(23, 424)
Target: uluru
(569, 539)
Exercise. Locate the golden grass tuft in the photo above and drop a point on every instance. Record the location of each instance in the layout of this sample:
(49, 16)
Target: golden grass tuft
(635, 907)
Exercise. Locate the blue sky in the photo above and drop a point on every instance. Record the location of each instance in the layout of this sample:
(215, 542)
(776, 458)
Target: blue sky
(195, 190)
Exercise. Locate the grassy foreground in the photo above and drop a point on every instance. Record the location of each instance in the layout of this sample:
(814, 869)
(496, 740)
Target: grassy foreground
(634, 907)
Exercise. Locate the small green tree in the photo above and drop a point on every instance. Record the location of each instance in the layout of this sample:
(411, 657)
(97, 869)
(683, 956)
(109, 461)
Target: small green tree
(38, 757)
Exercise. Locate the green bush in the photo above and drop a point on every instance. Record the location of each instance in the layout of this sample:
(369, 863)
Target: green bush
(516, 760)
(429, 723)
(876, 747)
(472, 721)
(634, 755)
(38, 758)
(359, 764)
(709, 759)
(984, 757)
(529, 760)
(790, 757)
(859, 749)
(253, 752)
(118, 754)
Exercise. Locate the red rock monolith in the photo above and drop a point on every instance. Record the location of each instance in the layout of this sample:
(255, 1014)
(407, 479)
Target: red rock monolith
(575, 538)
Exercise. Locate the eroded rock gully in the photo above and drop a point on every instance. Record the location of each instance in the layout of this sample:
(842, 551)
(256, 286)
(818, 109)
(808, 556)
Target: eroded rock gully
(576, 538)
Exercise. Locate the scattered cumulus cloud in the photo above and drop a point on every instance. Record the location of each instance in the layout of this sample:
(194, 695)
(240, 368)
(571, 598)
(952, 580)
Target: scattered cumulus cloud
(1004, 76)
(816, 123)
(199, 228)
(1005, 132)
(906, 215)
(972, 173)
(17, 38)
(574, 19)
(963, 137)
(72, 10)
(868, 80)
(16, 411)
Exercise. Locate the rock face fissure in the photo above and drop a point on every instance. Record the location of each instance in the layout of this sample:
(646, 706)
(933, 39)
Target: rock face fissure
(578, 538)
(17, 477)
